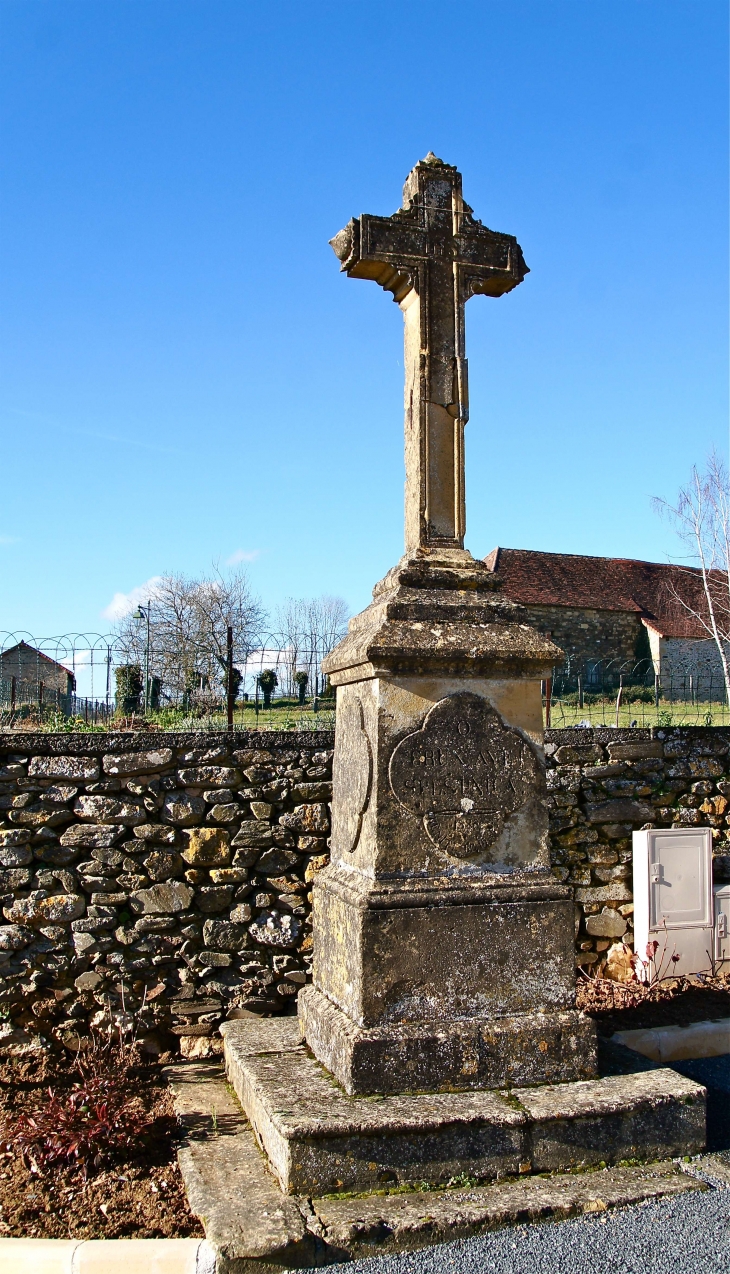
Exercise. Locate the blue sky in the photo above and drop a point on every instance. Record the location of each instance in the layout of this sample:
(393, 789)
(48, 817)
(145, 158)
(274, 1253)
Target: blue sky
(186, 377)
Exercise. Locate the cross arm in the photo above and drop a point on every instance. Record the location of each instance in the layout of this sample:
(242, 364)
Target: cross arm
(490, 263)
(385, 249)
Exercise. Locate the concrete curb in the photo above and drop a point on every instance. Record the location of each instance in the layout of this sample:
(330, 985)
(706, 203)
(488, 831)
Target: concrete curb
(106, 1256)
(678, 1043)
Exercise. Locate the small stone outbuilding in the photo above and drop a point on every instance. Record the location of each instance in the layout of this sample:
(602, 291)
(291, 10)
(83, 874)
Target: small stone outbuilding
(30, 670)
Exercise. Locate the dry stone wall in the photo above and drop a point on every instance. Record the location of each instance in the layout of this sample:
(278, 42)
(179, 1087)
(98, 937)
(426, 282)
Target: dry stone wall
(166, 878)
(603, 785)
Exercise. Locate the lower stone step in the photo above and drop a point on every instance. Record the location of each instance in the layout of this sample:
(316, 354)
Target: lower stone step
(321, 1141)
(251, 1226)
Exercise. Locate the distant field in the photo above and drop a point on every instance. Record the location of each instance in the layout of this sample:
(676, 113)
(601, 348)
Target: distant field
(641, 714)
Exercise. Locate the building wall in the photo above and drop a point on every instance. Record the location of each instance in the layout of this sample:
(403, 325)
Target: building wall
(682, 659)
(590, 635)
(29, 668)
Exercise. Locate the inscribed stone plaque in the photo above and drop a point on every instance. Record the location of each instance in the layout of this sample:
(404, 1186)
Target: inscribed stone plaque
(464, 772)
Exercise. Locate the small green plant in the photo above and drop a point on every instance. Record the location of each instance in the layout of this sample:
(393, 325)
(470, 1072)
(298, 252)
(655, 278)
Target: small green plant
(664, 717)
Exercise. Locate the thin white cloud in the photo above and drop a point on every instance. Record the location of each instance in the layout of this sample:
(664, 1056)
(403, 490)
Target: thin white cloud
(122, 603)
(242, 555)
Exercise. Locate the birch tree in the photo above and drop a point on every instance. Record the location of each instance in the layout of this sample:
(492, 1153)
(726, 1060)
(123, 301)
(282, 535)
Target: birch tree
(701, 518)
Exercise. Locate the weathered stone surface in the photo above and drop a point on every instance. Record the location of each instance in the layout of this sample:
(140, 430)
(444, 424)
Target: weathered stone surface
(91, 836)
(364, 1228)
(162, 865)
(274, 861)
(307, 792)
(182, 809)
(574, 754)
(620, 811)
(253, 834)
(250, 1221)
(14, 836)
(15, 855)
(608, 924)
(60, 792)
(138, 762)
(208, 846)
(15, 937)
(272, 929)
(213, 898)
(617, 892)
(162, 899)
(14, 878)
(225, 813)
(225, 935)
(318, 1140)
(650, 1115)
(90, 981)
(307, 819)
(39, 816)
(153, 832)
(251, 1224)
(642, 751)
(74, 768)
(58, 908)
(464, 772)
(457, 1054)
(104, 809)
(210, 776)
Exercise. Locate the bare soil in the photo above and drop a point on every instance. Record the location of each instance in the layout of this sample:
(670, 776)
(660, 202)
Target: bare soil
(138, 1194)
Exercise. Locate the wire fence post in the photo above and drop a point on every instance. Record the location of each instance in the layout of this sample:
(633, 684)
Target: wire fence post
(230, 696)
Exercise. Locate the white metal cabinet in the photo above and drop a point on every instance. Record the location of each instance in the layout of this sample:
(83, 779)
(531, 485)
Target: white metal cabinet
(673, 903)
(722, 926)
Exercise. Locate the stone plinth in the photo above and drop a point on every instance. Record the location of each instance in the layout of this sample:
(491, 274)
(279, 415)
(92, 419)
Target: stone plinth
(443, 945)
(318, 1140)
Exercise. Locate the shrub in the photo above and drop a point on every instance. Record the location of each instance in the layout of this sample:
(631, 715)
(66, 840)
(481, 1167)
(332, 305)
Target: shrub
(268, 681)
(130, 685)
(301, 681)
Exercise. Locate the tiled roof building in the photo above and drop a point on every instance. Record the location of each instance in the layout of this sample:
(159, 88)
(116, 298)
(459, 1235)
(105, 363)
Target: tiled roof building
(615, 609)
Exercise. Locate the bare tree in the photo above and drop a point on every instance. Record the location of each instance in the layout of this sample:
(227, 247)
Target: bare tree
(310, 627)
(188, 621)
(701, 517)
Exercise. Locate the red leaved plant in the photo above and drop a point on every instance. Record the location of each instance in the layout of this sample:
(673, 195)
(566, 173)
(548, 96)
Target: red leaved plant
(84, 1127)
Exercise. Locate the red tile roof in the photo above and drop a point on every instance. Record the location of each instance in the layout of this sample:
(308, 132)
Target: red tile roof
(650, 589)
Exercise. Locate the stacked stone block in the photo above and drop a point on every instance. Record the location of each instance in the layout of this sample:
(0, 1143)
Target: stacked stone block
(604, 784)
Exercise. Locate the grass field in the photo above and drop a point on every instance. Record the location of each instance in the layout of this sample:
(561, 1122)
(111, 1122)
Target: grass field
(669, 713)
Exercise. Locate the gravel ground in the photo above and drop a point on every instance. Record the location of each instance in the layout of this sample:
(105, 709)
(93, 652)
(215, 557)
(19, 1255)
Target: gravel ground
(688, 1233)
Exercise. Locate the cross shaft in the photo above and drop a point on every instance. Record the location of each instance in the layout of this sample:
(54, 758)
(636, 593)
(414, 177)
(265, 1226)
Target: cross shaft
(432, 255)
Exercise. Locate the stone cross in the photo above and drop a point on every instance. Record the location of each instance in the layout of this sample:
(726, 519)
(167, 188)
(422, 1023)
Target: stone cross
(432, 255)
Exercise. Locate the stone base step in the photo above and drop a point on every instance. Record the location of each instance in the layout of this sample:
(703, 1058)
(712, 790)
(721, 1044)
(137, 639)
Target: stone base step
(255, 1229)
(319, 1140)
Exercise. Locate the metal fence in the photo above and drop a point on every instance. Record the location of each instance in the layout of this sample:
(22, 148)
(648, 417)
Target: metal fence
(102, 681)
(615, 692)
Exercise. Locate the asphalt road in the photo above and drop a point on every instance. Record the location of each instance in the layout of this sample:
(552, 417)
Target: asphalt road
(686, 1234)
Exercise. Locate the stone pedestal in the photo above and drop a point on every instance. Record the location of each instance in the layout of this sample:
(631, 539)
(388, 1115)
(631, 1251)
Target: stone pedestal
(443, 945)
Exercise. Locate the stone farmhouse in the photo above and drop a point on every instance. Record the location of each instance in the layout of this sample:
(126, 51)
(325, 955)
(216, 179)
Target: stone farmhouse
(31, 668)
(612, 609)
